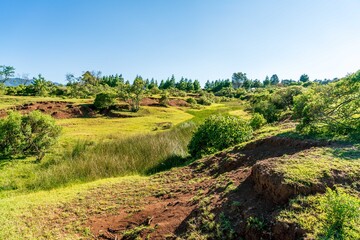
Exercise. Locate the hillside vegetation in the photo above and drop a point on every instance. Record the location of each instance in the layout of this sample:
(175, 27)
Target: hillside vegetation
(237, 160)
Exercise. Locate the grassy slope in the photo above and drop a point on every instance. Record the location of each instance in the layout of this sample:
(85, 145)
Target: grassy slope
(77, 157)
(22, 209)
(106, 128)
(63, 213)
(67, 210)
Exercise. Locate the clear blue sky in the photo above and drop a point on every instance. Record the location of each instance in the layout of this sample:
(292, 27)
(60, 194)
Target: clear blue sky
(199, 39)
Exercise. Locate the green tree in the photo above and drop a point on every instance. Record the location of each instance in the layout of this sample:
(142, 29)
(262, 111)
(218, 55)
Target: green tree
(5, 73)
(331, 109)
(133, 93)
(197, 85)
(274, 80)
(41, 86)
(266, 81)
(89, 78)
(238, 79)
(304, 78)
(247, 84)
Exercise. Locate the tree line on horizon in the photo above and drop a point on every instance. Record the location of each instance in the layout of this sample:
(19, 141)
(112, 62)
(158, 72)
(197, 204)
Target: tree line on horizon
(92, 82)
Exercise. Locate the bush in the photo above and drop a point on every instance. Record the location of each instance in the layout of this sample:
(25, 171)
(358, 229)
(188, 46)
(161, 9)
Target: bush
(257, 121)
(28, 135)
(331, 110)
(205, 101)
(164, 100)
(217, 133)
(104, 100)
(191, 101)
(342, 211)
(267, 110)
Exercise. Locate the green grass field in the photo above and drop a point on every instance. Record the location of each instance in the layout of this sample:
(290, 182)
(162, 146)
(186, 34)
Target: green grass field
(100, 147)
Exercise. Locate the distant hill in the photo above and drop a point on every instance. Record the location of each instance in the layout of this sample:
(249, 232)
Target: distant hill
(13, 82)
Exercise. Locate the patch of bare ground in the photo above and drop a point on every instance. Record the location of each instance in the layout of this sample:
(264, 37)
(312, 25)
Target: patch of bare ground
(148, 101)
(62, 110)
(56, 109)
(238, 185)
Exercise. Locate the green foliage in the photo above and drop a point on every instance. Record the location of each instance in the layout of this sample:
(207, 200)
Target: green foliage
(164, 100)
(342, 212)
(257, 121)
(217, 133)
(11, 137)
(191, 100)
(6, 72)
(209, 226)
(41, 86)
(104, 100)
(29, 135)
(206, 98)
(255, 223)
(331, 110)
(304, 78)
(275, 104)
(334, 215)
(132, 93)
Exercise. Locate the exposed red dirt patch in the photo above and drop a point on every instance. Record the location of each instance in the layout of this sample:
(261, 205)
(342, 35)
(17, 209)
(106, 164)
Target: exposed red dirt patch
(56, 109)
(178, 103)
(156, 102)
(228, 180)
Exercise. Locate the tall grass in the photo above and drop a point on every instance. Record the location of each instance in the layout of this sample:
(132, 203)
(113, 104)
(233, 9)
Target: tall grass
(141, 154)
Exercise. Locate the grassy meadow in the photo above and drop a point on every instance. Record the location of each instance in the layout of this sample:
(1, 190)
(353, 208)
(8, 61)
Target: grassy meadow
(101, 147)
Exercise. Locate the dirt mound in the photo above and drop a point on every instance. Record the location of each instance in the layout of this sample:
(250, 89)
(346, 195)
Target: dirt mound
(259, 150)
(149, 102)
(178, 103)
(56, 109)
(230, 184)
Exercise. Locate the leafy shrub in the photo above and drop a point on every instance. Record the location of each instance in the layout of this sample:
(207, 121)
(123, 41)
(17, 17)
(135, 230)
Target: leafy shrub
(164, 100)
(268, 110)
(104, 100)
(217, 133)
(11, 137)
(331, 110)
(28, 135)
(191, 100)
(342, 211)
(205, 101)
(257, 121)
(273, 103)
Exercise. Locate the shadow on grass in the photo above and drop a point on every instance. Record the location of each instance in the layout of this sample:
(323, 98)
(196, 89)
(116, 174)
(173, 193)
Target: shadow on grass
(348, 153)
(167, 164)
(6, 160)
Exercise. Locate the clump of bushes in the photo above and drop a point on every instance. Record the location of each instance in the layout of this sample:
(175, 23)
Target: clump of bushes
(331, 110)
(104, 100)
(257, 121)
(342, 211)
(191, 100)
(275, 105)
(27, 135)
(217, 133)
